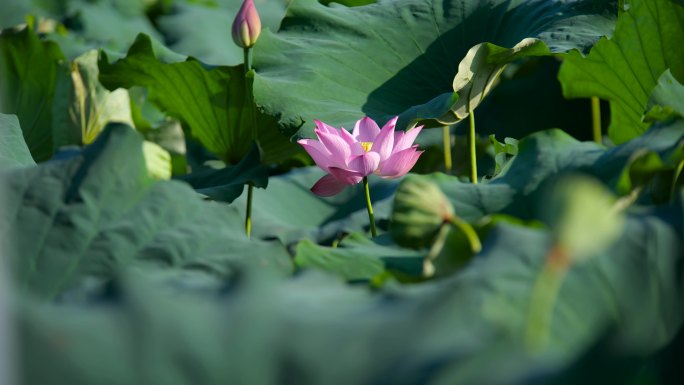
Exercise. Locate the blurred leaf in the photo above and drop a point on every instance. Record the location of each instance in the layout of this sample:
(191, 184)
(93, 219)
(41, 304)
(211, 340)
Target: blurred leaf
(86, 216)
(348, 3)
(667, 99)
(29, 70)
(13, 149)
(647, 41)
(329, 333)
(109, 24)
(15, 12)
(83, 106)
(157, 161)
(393, 56)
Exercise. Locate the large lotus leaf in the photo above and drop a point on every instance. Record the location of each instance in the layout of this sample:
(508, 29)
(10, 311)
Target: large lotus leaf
(29, 69)
(203, 30)
(626, 68)
(209, 101)
(337, 64)
(311, 329)
(13, 149)
(83, 106)
(86, 216)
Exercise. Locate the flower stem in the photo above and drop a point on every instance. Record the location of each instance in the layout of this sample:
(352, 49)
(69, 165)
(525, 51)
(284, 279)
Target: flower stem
(371, 217)
(447, 149)
(249, 99)
(248, 211)
(596, 118)
(471, 145)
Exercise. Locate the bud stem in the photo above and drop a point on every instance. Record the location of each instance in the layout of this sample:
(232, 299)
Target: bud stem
(371, 217)
(249, 100)
(471, 145)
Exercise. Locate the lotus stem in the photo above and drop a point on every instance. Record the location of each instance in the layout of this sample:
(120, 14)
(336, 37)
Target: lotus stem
(252, 112)
(447, 149)
(371, 217)
(596, 119)
(469, 232)
(471, 145)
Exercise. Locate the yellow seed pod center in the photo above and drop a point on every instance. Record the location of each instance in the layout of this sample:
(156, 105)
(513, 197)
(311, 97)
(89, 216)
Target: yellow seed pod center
(366, 145)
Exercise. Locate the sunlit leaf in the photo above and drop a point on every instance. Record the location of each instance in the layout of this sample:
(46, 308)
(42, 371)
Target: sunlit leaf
(626, 68)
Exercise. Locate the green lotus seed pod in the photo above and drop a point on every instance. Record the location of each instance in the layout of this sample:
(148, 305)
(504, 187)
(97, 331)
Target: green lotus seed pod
(420, 209)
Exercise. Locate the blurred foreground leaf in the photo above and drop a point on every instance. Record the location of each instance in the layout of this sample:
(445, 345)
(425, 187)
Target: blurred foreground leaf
(87, 216)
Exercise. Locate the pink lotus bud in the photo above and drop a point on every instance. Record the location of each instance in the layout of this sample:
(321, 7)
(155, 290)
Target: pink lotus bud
(247, 25)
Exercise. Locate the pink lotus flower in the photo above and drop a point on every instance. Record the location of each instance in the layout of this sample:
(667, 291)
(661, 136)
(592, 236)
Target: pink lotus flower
(247, 25)
(350, 157)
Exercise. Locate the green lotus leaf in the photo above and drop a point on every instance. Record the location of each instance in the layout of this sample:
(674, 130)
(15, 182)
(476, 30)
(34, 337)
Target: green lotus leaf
(340, 334)
(402, 57)
(210, 102)
(29, 72)
(667, 100)
(625, 69)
